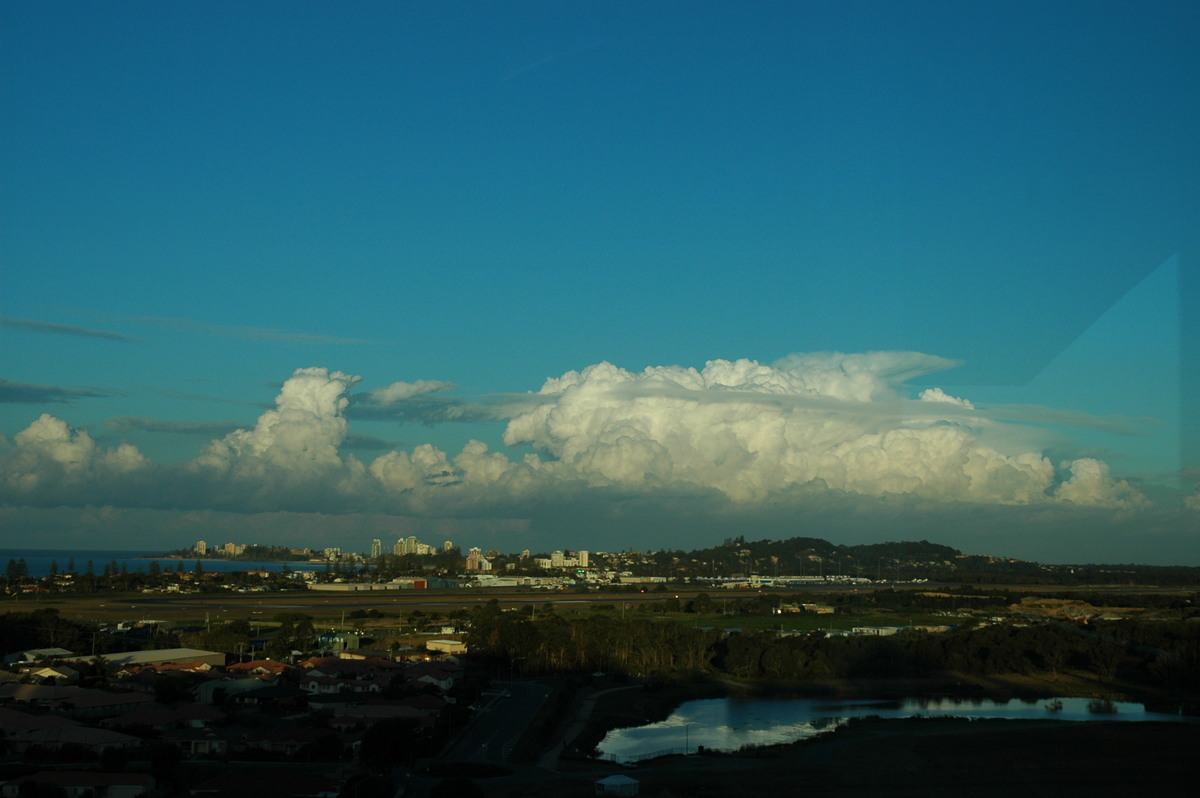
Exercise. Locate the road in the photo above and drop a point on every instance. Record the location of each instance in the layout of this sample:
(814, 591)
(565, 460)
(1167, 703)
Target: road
(499, 723)
(494, 731)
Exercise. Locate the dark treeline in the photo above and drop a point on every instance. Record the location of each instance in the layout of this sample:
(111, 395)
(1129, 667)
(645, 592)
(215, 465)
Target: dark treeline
(136, 575)
(46, 628)
(895, 561)
(517, 642)
(804, 556)
(43, 628)
(1164, 654)
(252, 551)
(389, 566)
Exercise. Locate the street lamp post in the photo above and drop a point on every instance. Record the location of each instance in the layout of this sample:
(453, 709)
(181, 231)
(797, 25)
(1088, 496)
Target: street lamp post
(687, 727)
(512, 671)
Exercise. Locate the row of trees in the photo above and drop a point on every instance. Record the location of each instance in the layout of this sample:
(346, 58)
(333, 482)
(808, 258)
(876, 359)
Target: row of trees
(984, 651)
(44, 628)
(288, 632)
(551, 644)
(120, 576)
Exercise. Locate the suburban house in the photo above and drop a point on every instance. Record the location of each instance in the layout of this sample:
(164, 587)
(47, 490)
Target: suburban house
(198, 742)
(81, 784)
(55, 737)
(275, 783)
(59, 674)
(161, 718)
(73, 701)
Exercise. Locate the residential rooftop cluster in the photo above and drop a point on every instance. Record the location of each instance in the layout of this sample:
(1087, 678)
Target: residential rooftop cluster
(187, 705)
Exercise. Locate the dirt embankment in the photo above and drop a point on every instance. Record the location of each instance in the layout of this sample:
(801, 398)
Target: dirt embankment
(1071, 609)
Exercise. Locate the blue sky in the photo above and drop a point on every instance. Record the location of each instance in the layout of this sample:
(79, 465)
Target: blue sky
(469, 199)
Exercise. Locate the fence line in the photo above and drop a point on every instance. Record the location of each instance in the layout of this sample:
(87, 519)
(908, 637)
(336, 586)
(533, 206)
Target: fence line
(624, 760)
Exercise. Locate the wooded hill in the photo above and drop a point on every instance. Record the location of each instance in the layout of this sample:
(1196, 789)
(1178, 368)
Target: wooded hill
(899, 561)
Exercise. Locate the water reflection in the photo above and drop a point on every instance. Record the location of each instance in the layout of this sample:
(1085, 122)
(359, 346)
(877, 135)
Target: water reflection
(727, 724)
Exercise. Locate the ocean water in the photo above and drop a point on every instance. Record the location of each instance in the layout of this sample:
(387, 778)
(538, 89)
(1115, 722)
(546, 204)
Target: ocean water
(38, 561)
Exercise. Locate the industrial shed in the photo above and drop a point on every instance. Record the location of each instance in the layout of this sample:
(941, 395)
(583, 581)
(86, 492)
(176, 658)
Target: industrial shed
(166, 656)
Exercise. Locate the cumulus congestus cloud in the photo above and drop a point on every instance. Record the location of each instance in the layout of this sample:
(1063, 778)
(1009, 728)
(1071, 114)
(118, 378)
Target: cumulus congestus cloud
(751, 430)
(745, 432)
(299, 438)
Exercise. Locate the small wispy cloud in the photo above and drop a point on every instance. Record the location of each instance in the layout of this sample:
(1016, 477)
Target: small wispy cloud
(243, 333)
(548, 58)
(25, 393)
(201, 397)
(144, 424)
(369, 443)
(403, 391)
(421, 402)
(49, 328)
(425, 410)
(1039, 414)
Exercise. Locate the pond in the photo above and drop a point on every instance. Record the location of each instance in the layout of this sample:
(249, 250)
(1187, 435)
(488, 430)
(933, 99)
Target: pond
(727, 724)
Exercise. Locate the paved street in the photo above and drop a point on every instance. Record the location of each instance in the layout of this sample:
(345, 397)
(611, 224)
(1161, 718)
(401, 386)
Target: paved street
(504, 715)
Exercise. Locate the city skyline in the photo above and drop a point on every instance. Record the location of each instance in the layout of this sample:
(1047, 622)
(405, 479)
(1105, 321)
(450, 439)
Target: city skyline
(617, 276)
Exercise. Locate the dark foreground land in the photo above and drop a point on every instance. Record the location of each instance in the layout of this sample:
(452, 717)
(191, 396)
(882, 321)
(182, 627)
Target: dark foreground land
(550, 702)
(867, 757)
(922, 757)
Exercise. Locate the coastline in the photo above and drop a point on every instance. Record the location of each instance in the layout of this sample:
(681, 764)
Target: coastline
(40, 562)
(207, 558)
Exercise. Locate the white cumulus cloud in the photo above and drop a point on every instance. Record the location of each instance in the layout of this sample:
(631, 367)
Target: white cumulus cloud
(300, 437)
(425, 466)
(735, 433)
(750, 430)
(1091, 484)
(49, 451)
(938, 395)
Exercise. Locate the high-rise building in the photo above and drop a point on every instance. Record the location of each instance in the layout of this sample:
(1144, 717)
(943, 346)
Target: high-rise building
(376, 548)
(582, 556)
(448, 545)
(201, 548)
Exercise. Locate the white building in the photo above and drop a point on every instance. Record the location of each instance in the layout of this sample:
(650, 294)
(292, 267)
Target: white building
(617, 785)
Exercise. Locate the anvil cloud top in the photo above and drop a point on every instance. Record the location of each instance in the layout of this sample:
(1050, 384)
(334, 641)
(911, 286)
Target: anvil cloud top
(602, 275)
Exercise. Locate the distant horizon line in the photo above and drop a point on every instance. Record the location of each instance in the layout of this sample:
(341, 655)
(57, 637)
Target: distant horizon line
(150, 554)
